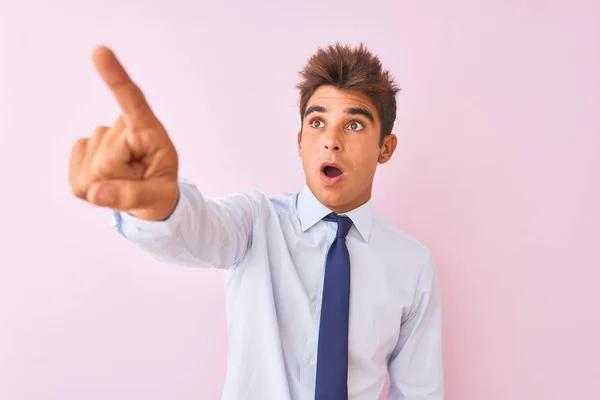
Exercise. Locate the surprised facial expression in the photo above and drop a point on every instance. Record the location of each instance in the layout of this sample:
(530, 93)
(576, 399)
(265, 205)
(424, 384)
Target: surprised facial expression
(340, 147)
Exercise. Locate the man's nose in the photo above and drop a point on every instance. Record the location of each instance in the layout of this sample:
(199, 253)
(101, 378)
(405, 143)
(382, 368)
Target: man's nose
(333, 141)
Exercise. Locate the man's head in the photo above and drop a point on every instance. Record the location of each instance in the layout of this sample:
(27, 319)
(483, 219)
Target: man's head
(347, 109)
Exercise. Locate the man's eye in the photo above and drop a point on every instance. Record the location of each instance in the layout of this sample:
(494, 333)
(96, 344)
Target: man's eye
(316, 123)
(356, 126)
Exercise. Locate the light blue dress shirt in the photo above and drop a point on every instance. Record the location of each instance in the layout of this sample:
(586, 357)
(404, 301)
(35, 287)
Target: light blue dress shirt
(274, 249)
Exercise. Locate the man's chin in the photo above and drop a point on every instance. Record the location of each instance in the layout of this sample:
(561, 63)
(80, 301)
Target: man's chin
(339, 198)
(330, 196)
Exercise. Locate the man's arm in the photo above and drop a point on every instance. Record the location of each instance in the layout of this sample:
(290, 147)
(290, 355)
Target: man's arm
(415, 367)
(199, 232)
(132, 168)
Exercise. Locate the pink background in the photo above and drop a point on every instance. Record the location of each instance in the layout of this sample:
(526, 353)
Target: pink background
(497, 170)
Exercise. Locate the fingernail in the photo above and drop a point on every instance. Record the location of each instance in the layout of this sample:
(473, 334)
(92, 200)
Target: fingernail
(106, 195)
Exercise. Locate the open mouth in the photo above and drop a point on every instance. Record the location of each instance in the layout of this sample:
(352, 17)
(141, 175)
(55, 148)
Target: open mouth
(331, 171)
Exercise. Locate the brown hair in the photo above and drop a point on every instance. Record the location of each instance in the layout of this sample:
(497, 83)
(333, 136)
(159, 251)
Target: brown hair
(351, 68)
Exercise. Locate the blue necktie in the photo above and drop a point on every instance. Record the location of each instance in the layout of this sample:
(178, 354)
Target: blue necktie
(332, 356)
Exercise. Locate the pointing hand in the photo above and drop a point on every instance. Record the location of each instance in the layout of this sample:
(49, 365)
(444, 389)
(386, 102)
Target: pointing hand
(131, 166)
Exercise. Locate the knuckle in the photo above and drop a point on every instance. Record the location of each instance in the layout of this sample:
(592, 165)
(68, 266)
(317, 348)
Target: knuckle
(78, 191)
(99, 131)
(97, 166)
(79, 145)
(78, 185)
(97, 136)
(100, 166)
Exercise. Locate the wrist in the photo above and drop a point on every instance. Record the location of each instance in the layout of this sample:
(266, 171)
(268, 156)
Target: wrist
(162, 211)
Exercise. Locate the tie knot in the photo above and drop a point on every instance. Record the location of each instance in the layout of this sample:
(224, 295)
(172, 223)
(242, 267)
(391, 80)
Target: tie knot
(344, 224)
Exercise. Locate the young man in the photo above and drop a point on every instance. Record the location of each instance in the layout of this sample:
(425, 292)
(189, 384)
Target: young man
(324, 297)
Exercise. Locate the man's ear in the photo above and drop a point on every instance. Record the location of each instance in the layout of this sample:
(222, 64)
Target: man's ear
(387, 148)
(299, 142)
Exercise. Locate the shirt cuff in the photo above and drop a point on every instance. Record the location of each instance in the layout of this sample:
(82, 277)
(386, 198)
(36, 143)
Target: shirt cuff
(137, 229)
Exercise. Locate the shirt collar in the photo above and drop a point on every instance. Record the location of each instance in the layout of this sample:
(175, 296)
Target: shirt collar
(311, 211)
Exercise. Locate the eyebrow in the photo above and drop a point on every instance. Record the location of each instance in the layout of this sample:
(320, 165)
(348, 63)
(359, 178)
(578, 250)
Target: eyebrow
(313, 109)
(351, 111)
(360, 111)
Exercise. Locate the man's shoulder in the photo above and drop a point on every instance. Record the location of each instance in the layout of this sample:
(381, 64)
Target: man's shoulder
(401, 240)
(279, 202)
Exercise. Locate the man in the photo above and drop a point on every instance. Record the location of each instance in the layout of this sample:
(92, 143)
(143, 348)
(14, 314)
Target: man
(325, 299)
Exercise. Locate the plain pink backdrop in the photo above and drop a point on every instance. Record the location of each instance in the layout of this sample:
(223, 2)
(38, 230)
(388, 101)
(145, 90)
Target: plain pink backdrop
(497, 171)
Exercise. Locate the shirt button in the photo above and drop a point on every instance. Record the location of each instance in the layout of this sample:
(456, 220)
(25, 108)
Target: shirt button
(311, 360)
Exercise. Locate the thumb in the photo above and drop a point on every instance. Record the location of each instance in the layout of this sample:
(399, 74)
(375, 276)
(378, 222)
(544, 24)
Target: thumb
(153, 197)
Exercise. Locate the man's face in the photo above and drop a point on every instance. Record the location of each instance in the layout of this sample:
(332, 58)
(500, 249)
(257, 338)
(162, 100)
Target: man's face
(339, 147)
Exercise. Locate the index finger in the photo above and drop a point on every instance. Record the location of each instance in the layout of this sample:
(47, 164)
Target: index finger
(129, 96)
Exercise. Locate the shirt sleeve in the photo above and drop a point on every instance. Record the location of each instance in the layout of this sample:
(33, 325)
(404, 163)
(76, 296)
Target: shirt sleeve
(199, 232)
(415, 367)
